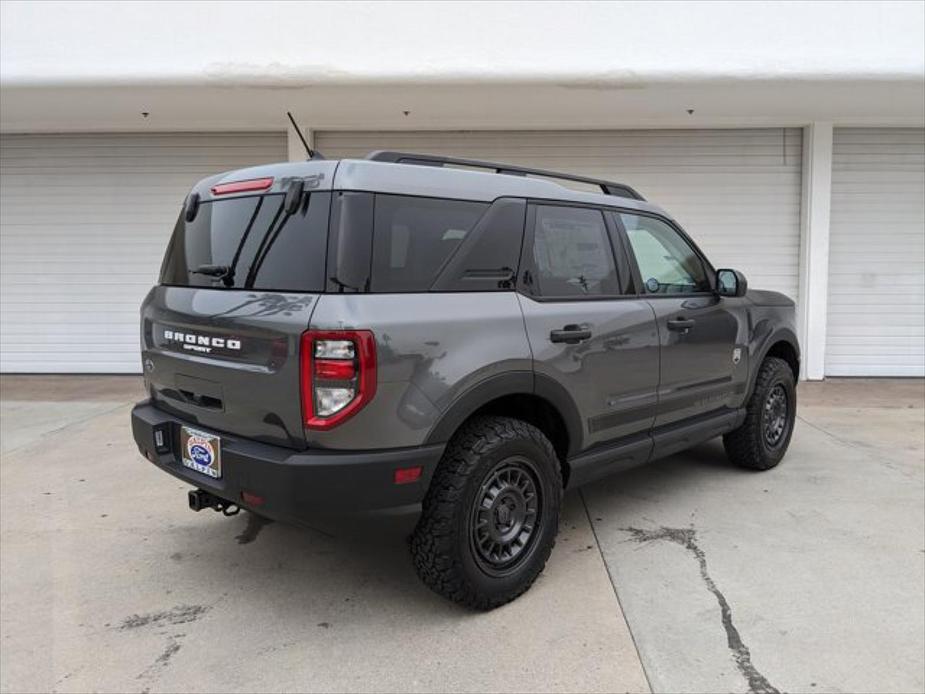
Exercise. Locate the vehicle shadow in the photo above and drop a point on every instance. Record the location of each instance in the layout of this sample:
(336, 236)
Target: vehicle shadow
(354, 566)
(340, 570)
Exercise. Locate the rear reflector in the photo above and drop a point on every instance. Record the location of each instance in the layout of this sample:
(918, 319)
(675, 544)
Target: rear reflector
(407, 475)
(242, 186)
(251, 499)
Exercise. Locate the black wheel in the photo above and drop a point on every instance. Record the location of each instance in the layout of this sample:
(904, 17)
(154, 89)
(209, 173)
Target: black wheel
(762, 440)
(491, 515)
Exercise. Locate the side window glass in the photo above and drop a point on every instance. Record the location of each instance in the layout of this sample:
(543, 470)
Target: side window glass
(667, 263)
(487, 259)
(413, 238)
(572, 254)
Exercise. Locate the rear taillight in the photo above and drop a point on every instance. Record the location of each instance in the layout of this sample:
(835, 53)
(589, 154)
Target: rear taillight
(338, 375)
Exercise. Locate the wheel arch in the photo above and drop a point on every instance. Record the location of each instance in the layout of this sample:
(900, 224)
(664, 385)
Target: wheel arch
(781, 343)
(534, 398)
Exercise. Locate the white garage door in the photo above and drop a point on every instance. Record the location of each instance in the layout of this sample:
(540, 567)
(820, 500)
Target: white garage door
(84, 220)
(736, 191)
(876, 323)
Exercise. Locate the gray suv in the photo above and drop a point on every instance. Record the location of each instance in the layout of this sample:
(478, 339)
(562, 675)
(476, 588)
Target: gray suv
(457, 339)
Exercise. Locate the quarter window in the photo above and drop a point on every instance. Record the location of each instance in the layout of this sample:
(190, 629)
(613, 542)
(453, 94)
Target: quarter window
(667, 262)
(413, 238)
(572, 254)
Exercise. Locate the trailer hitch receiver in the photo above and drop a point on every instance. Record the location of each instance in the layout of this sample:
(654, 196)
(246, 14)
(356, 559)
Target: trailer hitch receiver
(200, 499)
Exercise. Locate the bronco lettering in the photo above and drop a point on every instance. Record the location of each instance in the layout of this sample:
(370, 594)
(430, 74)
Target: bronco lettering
(200, 343)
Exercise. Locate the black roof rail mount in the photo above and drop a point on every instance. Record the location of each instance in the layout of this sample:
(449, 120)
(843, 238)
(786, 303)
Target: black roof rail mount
(607, 187)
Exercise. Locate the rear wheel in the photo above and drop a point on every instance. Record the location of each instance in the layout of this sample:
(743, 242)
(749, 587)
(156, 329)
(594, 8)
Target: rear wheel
(762, 440)
(491, 514)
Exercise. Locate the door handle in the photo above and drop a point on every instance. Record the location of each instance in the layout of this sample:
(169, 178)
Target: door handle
(681, 325)
(570, 335)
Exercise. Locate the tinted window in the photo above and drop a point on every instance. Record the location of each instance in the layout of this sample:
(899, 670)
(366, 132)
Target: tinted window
(350, 243)
(413, 237)
(572, 254)
(667, 262)
(486, 261)
(250, 243)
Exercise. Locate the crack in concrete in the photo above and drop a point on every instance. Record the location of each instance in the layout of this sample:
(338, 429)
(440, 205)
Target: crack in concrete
(181, 614)
(172, 647)
(687, 538)
(162, 661)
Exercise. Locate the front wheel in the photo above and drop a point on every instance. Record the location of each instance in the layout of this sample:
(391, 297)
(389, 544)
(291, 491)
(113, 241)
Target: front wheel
(762, 440)
(491, 515)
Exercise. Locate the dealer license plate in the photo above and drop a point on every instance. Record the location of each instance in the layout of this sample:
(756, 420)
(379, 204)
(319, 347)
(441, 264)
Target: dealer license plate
(201, 451)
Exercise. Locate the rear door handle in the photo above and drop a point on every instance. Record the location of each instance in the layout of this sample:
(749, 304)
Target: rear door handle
(570, 335)
(681, 325)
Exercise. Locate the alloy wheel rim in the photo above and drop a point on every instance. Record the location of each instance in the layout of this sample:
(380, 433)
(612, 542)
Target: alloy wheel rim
(506, 516)
(775, 416)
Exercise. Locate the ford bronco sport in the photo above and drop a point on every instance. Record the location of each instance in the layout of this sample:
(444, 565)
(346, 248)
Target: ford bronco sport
(459, 339)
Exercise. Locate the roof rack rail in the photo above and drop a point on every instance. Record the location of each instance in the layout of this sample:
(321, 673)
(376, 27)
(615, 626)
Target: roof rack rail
(607, 187)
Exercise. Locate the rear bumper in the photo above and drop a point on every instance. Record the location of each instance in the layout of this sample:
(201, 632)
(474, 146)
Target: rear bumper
(295, 485)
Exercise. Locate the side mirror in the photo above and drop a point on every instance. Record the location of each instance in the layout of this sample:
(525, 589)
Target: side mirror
(731, 283)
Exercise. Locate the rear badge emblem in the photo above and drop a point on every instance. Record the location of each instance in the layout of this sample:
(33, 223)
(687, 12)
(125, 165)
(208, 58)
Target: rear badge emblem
(736, 355)
(200, 343)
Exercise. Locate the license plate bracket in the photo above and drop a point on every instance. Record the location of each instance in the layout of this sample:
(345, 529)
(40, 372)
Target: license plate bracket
(201, 451)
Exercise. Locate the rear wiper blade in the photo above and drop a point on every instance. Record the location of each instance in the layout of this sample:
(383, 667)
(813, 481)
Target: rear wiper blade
(220, 271)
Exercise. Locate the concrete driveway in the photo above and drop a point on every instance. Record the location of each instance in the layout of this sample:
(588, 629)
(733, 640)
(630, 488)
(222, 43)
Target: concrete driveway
(687, 575)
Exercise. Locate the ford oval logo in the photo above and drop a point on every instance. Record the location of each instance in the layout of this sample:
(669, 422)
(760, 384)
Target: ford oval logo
(200, 451)
(201, 455)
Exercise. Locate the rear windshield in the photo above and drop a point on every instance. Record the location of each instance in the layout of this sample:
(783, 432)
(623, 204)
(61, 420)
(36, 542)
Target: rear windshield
(250, 243)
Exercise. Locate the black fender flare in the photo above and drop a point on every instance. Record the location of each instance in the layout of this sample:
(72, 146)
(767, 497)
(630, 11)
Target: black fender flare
(556, 395)
(511, 383)
(761, 349)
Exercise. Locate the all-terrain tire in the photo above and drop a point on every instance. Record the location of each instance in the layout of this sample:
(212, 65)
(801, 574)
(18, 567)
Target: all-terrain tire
(757, 444)
(449, 543)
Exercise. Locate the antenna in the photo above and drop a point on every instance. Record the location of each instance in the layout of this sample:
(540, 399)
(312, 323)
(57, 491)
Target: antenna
(311, 152)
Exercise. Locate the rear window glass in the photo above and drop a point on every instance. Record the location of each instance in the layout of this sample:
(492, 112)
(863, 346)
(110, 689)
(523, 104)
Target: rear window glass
(251, 243)
(413, 238)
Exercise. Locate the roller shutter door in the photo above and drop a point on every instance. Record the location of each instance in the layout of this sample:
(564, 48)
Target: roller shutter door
(84, 221)
(876, 323)
(737, 192)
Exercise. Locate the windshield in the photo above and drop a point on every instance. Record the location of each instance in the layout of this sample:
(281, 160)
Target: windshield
(250, 243)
